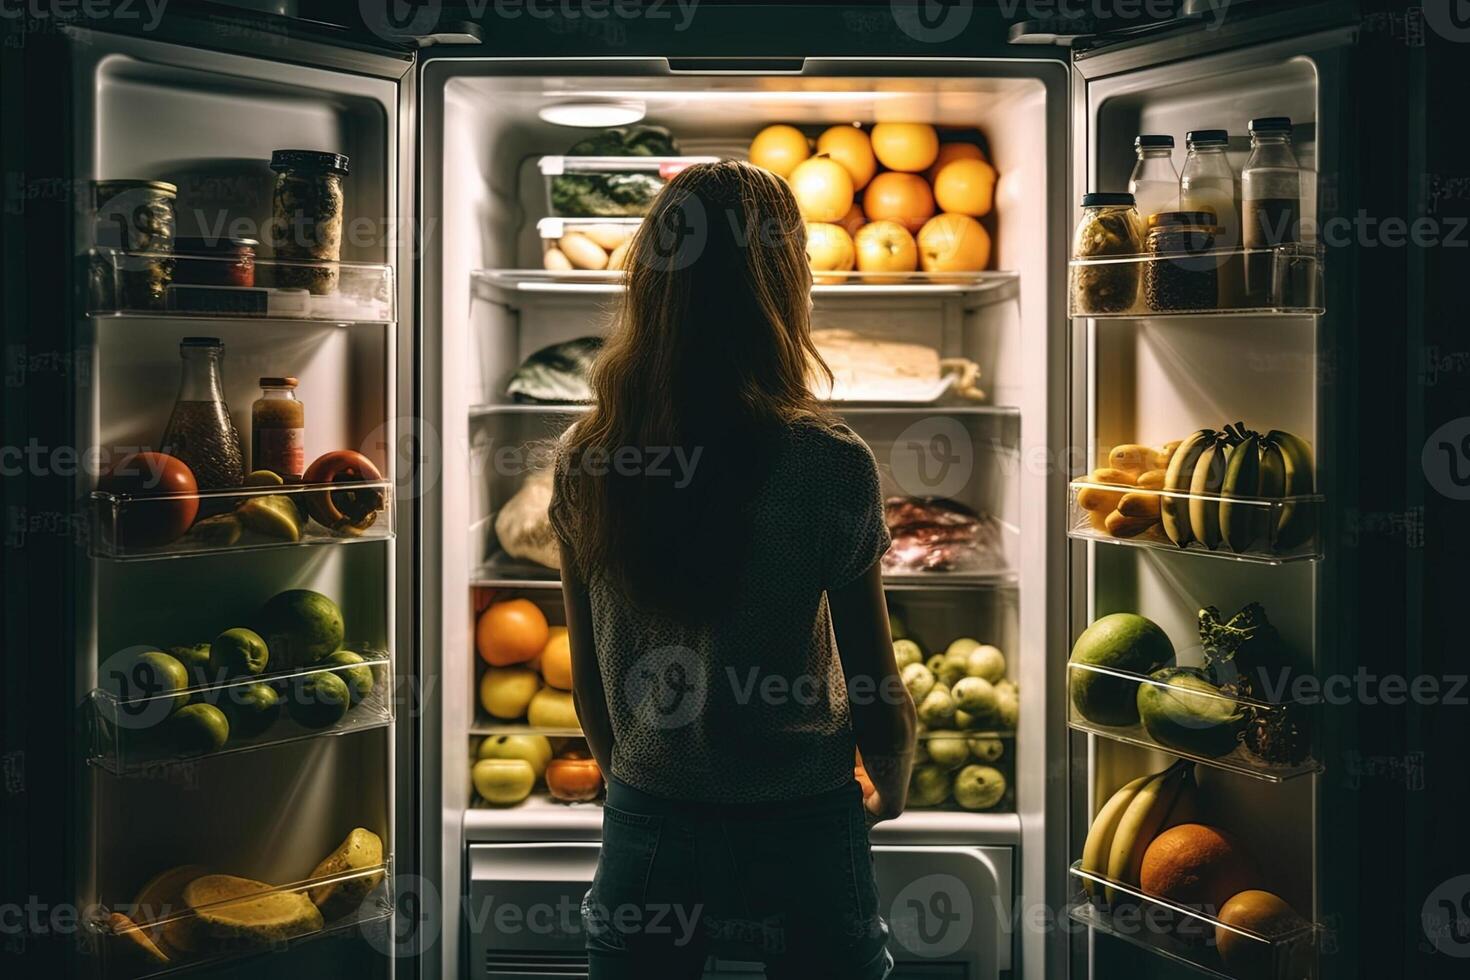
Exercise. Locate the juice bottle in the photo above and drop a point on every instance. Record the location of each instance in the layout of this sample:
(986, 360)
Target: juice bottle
(1155, 183)
(1271, 195)
(278, 430)
(1208, 184)
(200, 431)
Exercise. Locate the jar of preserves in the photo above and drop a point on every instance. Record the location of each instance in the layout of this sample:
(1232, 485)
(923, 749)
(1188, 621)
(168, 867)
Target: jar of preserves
(278, 430)
(1183, 272)
(215, 261)
(306, 218)
(1108, 230)
(136, 219)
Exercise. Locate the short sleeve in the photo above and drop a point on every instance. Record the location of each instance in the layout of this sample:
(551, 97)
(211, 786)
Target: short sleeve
(856, 534)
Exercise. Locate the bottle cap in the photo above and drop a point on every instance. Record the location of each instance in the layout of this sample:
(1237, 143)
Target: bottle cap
(1179, 219)
(1154, 142)
(314, 160)
(1270, 124)
(1107, 200)
(1208, 137)
(278, 382)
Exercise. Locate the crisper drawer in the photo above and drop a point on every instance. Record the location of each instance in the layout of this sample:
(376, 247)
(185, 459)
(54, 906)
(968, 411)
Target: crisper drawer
(949, 909)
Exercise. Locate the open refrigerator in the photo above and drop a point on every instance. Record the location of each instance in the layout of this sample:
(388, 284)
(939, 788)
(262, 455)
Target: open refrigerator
(452, 143)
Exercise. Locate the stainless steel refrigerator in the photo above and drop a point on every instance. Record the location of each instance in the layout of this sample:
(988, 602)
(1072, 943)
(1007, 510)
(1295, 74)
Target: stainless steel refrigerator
(452, 149)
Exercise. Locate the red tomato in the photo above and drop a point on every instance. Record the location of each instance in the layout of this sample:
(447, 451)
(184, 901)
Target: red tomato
(573, 778)
(148, 522)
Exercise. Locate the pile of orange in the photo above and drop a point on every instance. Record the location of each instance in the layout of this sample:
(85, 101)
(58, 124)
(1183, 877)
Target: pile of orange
(515, 631)
(889, 199)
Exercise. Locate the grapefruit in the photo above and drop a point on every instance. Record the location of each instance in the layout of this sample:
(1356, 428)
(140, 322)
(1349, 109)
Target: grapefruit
(1198, 866)
(904, 198)
(850, 147)
(779, 149)
(1257, 912)
(823, 189)
(953, 243)
(511, 632)
(299, 627)
(1121, 641)
(910, 147)
(966, 187)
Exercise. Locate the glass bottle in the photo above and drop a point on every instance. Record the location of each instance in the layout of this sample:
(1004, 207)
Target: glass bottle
(278, 430)
(1271, 202)
(1208, 184)
(200, 431)
(1155, 183)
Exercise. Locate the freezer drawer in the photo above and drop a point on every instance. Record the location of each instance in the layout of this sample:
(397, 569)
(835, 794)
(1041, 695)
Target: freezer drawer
(949, 909)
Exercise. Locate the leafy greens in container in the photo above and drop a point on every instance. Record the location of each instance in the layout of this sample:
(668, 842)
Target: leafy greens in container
(614, 193)
(557, 373)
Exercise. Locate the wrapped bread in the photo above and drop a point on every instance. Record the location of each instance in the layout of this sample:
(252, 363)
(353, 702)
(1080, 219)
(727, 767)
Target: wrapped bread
(523, 525)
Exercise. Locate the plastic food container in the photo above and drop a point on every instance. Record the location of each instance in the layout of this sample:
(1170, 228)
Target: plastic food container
(306, 220)
(137, 216)
(215, 261)
(608, 187)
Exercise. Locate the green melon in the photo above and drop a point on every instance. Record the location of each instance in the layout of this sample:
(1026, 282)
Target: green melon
(1121, 641)
(300, 627)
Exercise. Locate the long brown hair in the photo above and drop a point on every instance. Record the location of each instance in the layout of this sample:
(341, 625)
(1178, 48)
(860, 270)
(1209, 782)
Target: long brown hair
(707, 363)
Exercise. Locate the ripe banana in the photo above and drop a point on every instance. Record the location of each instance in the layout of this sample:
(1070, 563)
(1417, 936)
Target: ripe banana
(1242, 522)
(1174, 511)
(1204, 488)
(1104, 826)
(1296, 522)
(1132, 458)
(1146, 816)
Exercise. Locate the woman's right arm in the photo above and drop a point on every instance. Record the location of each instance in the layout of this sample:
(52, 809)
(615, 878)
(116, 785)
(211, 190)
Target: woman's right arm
(882, 711)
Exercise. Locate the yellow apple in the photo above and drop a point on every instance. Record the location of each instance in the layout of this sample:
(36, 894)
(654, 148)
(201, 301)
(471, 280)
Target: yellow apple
(506, 692)
(953, 243)
(829, 249)
(503, 782)
(850, 147)
(823, 189)
(886, 246)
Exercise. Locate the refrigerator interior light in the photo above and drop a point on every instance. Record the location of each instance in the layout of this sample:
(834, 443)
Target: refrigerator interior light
(593, 114)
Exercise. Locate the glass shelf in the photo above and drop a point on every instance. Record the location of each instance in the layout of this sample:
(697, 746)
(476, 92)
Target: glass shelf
(1271, 531)
(186, 939)
(1216, 740)
(136, 728)
(178, 284)
(140, 526)
(843, 409)
(1191, 937)
(504, 572)
(984, 287)
(485, 725)
(1190, 284)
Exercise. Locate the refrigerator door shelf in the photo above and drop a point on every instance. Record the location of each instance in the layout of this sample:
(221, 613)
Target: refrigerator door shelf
(513, 287)
(175, 284)
(141, 526)
(1192, 937)
(1196, 284)
(1271, 531)
(135, 730)
(358, 902)
(1192, 721)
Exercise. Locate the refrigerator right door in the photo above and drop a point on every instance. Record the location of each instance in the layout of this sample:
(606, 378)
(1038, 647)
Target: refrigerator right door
(1201, 571)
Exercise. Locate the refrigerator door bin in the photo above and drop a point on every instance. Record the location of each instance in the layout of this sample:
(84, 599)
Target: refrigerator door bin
(1196, 284)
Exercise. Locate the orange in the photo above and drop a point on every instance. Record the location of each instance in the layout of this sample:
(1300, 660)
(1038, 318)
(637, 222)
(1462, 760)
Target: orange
(779, 149)
(556, 659)
(850, 147)
(909, 147)
(965, 187)
(952, 151)
(511, 632)
(829, 249)
(1197, 865)
(953, 243)
(904, 198)
(853, 220)
(823, 189)
(886, 246)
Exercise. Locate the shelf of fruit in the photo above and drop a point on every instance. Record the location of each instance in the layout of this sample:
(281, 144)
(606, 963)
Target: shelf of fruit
(191, 916)
(1124, 683)
(1155, 873)
(236, 286)
(1231, 493)
(287, 678)
(149, 506)
(1189, 284)
(983, 287)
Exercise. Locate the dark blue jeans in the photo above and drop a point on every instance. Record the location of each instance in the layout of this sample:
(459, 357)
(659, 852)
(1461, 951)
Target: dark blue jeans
(788, 884)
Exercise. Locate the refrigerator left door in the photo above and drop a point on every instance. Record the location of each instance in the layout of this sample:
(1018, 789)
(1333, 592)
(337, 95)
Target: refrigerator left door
(211, 692)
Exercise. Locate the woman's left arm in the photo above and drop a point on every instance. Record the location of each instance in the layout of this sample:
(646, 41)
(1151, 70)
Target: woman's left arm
(587, 692)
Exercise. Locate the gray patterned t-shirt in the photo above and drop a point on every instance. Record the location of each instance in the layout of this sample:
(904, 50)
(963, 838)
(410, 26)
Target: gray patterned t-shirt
(755, 709)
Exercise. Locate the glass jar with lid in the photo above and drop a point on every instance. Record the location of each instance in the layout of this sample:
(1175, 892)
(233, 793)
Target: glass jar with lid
(278, 430)
(306, 218)
(1182, 272)
(1108, 230)
(134, 220)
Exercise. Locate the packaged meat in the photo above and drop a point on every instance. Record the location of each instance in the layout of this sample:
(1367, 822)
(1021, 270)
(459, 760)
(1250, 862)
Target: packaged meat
(935, 534)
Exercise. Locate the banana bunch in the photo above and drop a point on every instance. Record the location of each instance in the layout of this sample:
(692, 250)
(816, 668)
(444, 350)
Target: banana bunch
(1226, 473)
(1127, 513)
(1130, 820)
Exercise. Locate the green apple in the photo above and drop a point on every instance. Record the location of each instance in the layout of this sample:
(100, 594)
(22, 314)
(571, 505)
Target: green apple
(238, 652)
(251, 708)
(200, 728)
(503, 782)
(357, 672)
(976, 696)
(937, 708)
(319, 699)
(979, 787)
(154, 674)
(986, 662)
(535, 749)
(928, 786)
(986, 749)
(948, 749)
(961, 647)
(907, 652)
(919, 680)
